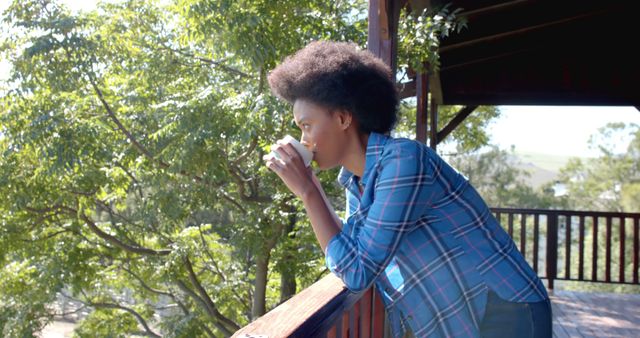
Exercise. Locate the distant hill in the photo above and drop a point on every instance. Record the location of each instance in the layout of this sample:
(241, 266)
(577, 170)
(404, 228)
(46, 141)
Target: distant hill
(543, 168)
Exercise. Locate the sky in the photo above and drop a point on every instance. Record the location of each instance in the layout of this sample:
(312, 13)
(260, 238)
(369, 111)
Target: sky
(551, 130)
(562, 131)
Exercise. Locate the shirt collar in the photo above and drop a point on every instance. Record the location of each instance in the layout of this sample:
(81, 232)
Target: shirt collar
(375, 145)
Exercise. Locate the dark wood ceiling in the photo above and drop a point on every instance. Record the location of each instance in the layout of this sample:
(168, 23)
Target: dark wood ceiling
(526, 52)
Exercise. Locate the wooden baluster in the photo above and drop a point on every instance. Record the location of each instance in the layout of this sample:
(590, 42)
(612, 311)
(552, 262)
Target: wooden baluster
(581, 250)
(345, 324)
(379, 317)
(636, 249)
(510, 221)
(621, 278)
(365, 315)
(552, 247)
(536, 238)
(607, 259)
(353, 314)
(567, 249)
(594, 262)
(523, 234)
(336, 330)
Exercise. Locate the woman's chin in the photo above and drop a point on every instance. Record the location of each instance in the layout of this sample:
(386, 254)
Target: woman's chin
(319, 165)
(324, 166)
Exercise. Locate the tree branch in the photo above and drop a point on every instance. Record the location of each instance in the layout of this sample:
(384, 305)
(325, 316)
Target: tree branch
(238, 176)
(205, 297)
(219, 271)
(156, 291)
(115, 241)
(139, 317)
(47, 236)
(145, 151)
(243, 156)
(215, 63)
(64, 314)
(125, 219)
(133, 178)
(121, 127)
(203, 304)
(147, 329)
(242, 191)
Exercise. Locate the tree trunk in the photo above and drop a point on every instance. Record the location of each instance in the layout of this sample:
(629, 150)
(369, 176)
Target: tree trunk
(287, 285)
(262, 268)
(287, 274)
(259, 295)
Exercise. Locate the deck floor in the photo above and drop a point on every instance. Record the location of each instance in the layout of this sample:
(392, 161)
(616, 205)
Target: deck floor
(582, 314)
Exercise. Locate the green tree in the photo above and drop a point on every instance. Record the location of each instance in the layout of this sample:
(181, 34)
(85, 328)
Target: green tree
(468, 137)
(131, 170)
(610, 182)
(494, 173)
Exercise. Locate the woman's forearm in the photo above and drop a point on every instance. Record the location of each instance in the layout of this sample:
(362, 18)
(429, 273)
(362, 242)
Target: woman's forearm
(326, 201)
(324, 220)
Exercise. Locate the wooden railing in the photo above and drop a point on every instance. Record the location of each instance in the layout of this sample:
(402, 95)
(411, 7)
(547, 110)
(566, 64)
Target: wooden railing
(550, 240)
(574, 238)
(325, 309)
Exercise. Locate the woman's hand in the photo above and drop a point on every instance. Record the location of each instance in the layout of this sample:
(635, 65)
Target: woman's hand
(304, 184)
(291, 169)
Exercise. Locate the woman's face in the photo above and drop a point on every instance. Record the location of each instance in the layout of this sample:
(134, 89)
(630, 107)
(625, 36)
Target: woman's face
(323, 132)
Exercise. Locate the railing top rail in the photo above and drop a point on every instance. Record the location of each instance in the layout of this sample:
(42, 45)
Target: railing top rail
(304, 313)
(567, 212)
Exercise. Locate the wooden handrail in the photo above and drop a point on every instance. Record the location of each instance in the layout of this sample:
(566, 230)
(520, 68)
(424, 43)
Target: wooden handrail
(310, 313)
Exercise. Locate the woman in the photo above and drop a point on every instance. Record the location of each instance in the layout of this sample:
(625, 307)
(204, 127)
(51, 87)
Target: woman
(415, 227)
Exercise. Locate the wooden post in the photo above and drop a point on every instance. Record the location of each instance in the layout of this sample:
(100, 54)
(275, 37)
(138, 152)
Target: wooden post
(422, 108)
(594, 261)
(433, 124)
(622, 265)
(382, 40)
(552, 247)
(636, 248)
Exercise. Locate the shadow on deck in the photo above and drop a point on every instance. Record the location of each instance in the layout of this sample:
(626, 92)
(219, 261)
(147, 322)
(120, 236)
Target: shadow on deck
(583, 314)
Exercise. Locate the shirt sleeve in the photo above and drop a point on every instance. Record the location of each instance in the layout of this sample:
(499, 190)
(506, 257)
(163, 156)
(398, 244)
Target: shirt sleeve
(399, 201)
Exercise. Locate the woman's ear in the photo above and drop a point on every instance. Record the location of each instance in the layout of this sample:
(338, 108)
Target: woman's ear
(344, 118)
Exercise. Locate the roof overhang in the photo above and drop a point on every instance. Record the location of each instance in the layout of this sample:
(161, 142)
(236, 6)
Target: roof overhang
(525, 52)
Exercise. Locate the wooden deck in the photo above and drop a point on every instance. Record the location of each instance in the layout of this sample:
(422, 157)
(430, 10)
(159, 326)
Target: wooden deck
(582, 314)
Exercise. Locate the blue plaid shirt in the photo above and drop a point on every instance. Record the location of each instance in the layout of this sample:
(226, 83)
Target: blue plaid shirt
(425, 237)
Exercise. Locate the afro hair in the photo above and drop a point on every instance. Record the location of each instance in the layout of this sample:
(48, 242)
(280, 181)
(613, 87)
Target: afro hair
(338, 75)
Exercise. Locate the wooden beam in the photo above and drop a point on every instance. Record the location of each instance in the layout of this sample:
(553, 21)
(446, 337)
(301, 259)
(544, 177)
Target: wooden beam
(499, 36)
(493, 8)
(419, 5)
(406, 89)
(451, 126)
(451, 66)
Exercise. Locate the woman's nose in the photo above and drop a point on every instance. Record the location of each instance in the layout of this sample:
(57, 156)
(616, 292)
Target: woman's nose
(305, 142)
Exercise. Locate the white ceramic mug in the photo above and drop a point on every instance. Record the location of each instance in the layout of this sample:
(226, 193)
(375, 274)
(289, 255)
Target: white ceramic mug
(305, 153)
